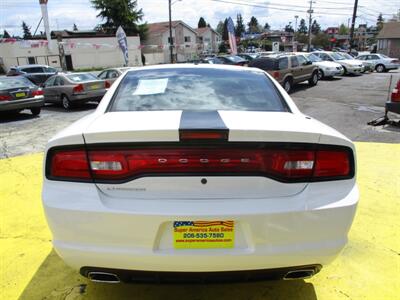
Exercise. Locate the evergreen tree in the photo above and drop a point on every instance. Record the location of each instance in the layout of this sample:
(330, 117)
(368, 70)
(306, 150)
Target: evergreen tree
(379, 22)
(240, 28)
(302, 27)
(289, 28)
(343, 30)
(6, 35)
(225, 35)
(267, 26)
(253, 25)
(315, 27)
(220, 28)
(202, 23)
(26, 30)
(122, 13)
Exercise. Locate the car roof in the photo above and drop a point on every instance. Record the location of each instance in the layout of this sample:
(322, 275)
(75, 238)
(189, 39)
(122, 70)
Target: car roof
(31, 66)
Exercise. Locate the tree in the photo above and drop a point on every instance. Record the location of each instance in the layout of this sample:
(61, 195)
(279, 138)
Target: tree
(343, 30)
(302, 27)
(122, 13)
(240, 28)
(202, 23)
(225, 35)
(289, 27)
(321, 40)
(26, 30)
(315, 27)
(253, 25)
(379, 22)
(75, 28)
(220, 28)
(6, 35)
(267, 26)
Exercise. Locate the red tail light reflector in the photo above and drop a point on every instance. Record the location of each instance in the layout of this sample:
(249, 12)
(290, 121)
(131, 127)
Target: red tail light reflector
(78, 88)
(203, 135)
(107, 85)
(285, 165)
(276, 74)
(37, 93)
(5, 97)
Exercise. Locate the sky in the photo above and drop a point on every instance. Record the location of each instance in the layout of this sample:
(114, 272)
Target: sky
(64, 13)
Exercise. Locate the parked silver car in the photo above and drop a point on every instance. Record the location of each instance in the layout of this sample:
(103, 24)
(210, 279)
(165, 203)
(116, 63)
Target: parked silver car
(112, 74)
(74, 88)
(350, 66)
(381, 62)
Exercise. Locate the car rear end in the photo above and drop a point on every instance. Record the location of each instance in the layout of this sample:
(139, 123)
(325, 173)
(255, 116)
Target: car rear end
(391, 63)
(394, 104)
(271, 66)
(85, 87)
(188, 174)
(18, 93)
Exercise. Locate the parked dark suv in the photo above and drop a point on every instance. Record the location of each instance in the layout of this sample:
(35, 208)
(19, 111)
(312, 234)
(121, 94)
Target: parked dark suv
(38, 74)
(288, 69)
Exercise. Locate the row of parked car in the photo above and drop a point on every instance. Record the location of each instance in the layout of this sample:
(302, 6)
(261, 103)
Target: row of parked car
(30, 86)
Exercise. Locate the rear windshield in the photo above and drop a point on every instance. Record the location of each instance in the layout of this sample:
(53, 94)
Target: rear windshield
(234, 58)
(81, 77)
(196, 89)
(14, 82)
(265, 63)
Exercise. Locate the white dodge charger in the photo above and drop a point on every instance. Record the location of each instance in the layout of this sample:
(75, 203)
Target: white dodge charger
(198, 172)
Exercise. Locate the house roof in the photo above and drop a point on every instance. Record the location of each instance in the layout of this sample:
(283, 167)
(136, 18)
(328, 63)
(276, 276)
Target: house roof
(390, 30)
(161, 27)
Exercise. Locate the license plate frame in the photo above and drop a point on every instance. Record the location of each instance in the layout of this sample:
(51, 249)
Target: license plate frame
(203, 234)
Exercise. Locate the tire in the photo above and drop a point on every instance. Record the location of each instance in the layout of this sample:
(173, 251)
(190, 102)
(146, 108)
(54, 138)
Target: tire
(287, 85)
(320, 74)
(314, 79)
(36, 111)
(380, 68)
(344, 70)
(65, 102)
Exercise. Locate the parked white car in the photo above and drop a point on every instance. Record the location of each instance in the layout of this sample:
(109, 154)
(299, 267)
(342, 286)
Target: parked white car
(350, 66)
(188, 171)
(326, 68)
(381, 63)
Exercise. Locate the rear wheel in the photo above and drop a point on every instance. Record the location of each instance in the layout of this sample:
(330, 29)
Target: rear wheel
(66, 103)
(380, 68)
(314, 79)
(344, 71)
(287, 85)
(36, 111)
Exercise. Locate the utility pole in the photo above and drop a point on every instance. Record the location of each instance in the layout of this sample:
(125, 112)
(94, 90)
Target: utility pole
(353, 21)
(295, 26)
(310, 11)
(171, 41)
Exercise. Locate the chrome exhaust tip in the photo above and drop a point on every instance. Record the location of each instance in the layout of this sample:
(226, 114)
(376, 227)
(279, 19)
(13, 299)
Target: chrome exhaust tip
(299, 274)
(103, 277)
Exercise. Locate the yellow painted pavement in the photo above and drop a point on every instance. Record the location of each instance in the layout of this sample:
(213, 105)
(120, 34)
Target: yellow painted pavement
(368, 268)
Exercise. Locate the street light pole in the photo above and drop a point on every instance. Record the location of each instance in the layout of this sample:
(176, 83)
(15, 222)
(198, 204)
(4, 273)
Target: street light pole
(171, 41)
(310, 11)
(353, 21)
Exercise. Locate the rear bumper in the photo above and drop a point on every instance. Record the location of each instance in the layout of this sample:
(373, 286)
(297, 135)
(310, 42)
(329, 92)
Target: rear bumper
(393, 107)
(330, 73)
(21, 104)
(355, 70)
(88, 96)
(305, 229)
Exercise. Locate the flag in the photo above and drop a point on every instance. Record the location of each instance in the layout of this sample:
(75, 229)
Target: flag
(231, 36)
(123, 43)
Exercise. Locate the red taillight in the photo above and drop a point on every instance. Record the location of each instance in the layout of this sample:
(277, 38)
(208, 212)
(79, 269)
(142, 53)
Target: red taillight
(5, 97)
(395, 97)
(37, 93)
(78, 88)
(69, 164)
(107, 85)
(280, 164)
(203, 135)
(276, 74)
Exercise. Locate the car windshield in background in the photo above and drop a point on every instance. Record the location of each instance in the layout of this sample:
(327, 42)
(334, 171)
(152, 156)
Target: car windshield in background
(196, 89)
(313, 58)
(14, 82)
(234, 58)
(81, 77)
(337, 56)
(347, 56)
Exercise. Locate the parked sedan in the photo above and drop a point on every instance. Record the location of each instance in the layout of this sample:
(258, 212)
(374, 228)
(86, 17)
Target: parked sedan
(326, 69)
(198, 172)
(74, 88)
(38, 74)
(350, 66)
(380, 62)
(18, 93)
(367, 65)
(112, 74)
(233, 60)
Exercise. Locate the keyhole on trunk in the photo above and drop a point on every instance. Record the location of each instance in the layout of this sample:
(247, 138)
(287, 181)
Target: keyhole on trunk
(203, 181)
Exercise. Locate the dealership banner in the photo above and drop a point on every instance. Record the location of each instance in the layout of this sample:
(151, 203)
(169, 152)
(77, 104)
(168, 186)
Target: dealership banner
(123, 43)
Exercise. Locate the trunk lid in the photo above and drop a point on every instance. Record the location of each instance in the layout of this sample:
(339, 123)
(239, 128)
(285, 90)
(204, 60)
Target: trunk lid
(150, 127)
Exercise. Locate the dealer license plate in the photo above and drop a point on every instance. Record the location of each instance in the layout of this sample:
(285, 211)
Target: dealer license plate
(95, 86)
(203, 234)
(20, 95)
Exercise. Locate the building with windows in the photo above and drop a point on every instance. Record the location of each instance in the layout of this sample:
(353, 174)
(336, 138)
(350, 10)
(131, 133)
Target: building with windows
(389, 40)
(208, 39)
(156, 46)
